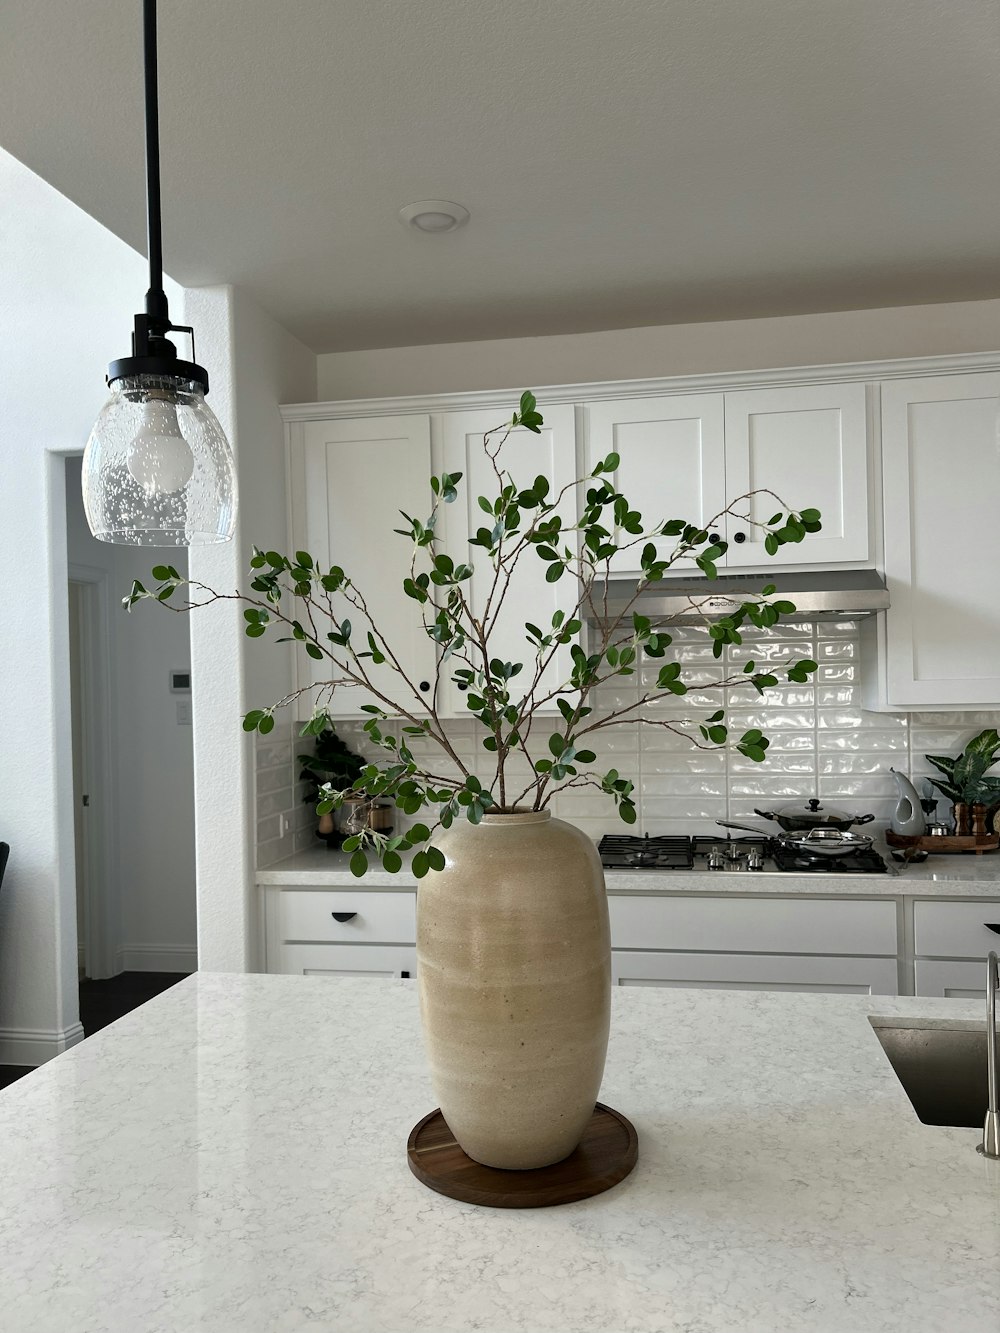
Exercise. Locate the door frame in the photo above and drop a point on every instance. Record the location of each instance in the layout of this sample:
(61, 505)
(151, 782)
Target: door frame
(101, 888)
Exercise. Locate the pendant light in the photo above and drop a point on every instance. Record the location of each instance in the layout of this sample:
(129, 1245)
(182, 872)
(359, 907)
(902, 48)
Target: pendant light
(157, 470)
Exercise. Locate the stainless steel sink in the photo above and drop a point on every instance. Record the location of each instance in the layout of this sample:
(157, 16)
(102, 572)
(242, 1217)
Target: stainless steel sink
(942, 1070)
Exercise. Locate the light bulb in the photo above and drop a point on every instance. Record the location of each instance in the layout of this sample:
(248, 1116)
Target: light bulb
(159, 458)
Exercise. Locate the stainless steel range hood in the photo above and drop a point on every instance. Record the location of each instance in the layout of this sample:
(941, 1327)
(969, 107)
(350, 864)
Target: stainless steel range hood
(827, 595)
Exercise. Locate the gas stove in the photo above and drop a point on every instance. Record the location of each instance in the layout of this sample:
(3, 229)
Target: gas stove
(749, 853)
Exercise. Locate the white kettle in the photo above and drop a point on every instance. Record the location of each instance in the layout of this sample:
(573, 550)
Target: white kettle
(908, 817)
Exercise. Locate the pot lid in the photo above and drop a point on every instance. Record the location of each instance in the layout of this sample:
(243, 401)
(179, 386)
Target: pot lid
(814, 811)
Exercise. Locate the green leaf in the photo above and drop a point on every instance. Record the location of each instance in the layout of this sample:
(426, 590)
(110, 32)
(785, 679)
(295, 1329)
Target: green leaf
(359, 864)
(266, 724)
(554, 573)
(435, 858)
(393, 862)
(419, 865)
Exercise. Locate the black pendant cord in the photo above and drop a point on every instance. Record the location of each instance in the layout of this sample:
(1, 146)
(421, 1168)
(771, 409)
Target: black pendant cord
(152, 351)
(156, 300)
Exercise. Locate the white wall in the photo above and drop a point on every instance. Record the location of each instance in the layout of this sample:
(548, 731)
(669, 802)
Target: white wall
(65, 283)
(153, 878)
(677, 349)
(254, 365)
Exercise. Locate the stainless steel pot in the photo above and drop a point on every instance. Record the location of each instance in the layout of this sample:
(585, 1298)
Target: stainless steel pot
(814, 842)
(793, 818)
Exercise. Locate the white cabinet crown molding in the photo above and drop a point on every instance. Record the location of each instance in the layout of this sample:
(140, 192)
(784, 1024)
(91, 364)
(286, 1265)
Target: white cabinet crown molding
(502, 399)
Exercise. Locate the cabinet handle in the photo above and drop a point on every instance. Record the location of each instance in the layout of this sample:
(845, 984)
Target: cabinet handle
(424, 686)
(713, 537)
(463, 686)
(343, 916)
(405, 976)
(740, 538)
(989, 926)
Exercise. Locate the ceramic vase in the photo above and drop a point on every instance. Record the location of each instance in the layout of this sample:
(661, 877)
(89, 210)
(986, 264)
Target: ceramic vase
(514, 976)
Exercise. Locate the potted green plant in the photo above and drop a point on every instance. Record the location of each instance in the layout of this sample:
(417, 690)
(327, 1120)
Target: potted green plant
(332, 764)
(513, 942)
(966, 782)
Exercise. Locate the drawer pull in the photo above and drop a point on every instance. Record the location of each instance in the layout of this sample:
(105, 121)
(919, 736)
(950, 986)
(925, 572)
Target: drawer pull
(343, 916)
(405, 976)
(989, 926)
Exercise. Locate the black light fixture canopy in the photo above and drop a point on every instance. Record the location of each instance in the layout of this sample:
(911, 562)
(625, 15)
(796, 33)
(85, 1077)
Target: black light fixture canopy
(158, 470)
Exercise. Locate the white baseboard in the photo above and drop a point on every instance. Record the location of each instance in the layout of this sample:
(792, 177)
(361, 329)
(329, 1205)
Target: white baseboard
(33, 1046)
(157, 958)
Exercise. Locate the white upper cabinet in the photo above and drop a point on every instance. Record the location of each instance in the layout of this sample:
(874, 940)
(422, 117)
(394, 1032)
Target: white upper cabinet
(525, 456)
(690, 455)
(941, 484)
(673, 461)
(809, 445)
(348, 482)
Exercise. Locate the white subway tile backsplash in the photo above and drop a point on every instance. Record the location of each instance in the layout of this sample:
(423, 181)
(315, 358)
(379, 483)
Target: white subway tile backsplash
(823, 743)
(863, 739)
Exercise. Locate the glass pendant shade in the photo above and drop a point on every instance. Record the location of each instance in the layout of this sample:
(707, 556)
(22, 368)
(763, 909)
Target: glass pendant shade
(158, 470)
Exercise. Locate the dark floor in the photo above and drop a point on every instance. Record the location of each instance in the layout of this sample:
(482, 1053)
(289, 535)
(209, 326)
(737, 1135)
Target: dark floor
(102, 1002)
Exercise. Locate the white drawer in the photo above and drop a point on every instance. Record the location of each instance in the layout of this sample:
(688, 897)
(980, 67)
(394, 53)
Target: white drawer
(374, 918)
(754, 925)
(955, 930)
(951, 980)
(347, 960)
(728, 971)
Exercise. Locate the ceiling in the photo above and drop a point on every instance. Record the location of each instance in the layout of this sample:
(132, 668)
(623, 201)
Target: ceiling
(627, 162)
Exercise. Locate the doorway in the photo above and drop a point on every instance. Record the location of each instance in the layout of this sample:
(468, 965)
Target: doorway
(133, 774)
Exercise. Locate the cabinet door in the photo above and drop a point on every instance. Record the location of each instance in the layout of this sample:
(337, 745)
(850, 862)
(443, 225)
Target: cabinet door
(349, 480)
(525, 455)
(809, 445)
(941, 483)
(347, 960)
(843, 976)
(672, 452)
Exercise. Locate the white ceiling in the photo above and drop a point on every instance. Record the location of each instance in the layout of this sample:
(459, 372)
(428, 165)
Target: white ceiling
(626, 162)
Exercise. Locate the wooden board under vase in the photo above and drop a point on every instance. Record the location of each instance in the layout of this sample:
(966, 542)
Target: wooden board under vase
(606, 1154)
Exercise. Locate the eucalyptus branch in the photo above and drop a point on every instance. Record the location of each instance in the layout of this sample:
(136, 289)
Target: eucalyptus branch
(465, 624)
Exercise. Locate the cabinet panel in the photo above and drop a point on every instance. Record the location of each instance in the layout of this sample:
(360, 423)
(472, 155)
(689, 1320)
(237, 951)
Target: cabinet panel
(956, 930)
(950, 980)
(810, 446)
(347, 960)
(672, 452)
(524, 456)
(754, 925)
(845, 976)
(308, 914)
(349, 480)
(941, 479)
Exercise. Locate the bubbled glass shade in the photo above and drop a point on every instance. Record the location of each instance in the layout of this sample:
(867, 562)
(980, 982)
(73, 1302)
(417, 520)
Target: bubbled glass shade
(158, 470)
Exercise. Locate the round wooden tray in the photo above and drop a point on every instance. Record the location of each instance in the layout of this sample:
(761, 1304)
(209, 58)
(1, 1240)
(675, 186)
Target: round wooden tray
(606, 1154)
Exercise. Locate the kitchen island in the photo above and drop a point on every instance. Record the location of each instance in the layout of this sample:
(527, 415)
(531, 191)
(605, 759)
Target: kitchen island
(232, 1157)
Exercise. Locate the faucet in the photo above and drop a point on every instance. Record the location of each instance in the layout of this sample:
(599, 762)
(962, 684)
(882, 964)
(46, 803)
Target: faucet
(990, 1146)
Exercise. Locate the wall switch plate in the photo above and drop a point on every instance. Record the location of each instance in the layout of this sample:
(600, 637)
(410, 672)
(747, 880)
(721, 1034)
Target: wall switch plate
(183, 712)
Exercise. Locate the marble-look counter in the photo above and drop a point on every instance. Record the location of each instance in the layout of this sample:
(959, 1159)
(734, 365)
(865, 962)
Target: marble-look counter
(231, 1158)
(965, 876)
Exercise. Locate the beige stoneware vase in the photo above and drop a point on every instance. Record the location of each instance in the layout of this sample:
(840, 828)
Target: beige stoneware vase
(514, 969)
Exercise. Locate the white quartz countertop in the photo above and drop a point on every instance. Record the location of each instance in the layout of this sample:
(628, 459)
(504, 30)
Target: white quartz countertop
(230, 1158)
(961, 876)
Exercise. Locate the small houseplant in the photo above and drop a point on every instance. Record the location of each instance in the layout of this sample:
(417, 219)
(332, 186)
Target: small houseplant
(512, 935)
(966, 782)
(331, 764)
